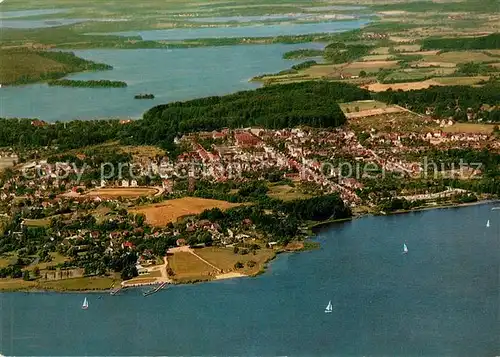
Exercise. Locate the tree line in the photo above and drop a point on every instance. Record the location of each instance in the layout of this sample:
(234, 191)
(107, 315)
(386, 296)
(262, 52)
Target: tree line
(302, 53)
(462, 43)
(101, 83)
(447, 101)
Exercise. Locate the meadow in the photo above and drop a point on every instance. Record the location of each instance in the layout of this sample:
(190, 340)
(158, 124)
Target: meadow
(161, 214)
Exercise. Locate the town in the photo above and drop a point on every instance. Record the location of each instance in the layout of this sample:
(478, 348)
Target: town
(221, 207)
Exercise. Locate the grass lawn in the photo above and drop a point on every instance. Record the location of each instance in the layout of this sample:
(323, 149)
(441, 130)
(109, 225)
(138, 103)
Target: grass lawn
(140, 152)
(459, 57)
(377, 57)
(186, 266)
(402, 121)
(160, 214)
(75, 284)
(16, 284)
(6, 162)
(42, 222)
(469, 128)
(225, 259)
(153, 274)
(407, 48)
(26, 63)
(464, 81)
(362, 105)
(380, 51)
(286, 193)
(7, 259)
(56, 259)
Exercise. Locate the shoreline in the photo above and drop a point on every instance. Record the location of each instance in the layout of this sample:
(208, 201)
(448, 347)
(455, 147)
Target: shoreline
(443, 206)
(327, 223)
(235, 275)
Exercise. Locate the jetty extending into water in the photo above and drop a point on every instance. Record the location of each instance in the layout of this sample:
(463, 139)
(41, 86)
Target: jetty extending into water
(115, 290)
(156, 289)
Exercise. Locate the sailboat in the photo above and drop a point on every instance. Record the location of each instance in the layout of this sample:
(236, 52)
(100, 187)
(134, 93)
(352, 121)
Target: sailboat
(405, 248)
(329, 307)
(488, 223)
(85, 304)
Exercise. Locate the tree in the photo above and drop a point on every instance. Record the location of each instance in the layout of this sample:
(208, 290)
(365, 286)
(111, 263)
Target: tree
(36, 272)
(26, 275)
(129, 272)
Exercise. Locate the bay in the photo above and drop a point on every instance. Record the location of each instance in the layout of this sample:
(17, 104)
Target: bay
(171, 75)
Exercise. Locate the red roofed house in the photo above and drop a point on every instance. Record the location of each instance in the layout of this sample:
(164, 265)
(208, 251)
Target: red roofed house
(246, 139)
(128, 245)
(37, 122)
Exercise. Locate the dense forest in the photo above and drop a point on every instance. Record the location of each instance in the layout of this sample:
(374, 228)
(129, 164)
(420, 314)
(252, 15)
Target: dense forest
(70, 59)
(23, 134)
(302, 53)
(304, 65)
(462, 43)
(284, 222)
(339, 52)
(22, 66)
(447, 101)
(87, 84)
(280, 106)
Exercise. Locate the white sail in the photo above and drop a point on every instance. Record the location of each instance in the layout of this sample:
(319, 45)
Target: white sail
(329, 307)
(405, 248)
(488, 223)
(85, 304)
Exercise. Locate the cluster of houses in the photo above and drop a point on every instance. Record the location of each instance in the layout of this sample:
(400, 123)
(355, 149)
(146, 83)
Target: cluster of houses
(302, 154)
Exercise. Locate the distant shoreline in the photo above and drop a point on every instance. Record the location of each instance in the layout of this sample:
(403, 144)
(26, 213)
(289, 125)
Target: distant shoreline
(327, 223)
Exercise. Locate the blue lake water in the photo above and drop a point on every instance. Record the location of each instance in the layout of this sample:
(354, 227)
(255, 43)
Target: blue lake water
(171, 75)
(27, 13)
(288, 29)
(441, 299)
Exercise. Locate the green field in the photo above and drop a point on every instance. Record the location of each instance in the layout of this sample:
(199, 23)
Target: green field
(20, 66)
(362, 105)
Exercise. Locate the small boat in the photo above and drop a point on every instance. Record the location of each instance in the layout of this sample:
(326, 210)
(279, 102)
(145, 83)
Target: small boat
(329, 307)
(488, 224)
(405, 248)
(85, 304)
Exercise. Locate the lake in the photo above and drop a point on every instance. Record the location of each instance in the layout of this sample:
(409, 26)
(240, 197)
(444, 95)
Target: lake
(285, 29)
(441, 299)
(171, 75)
